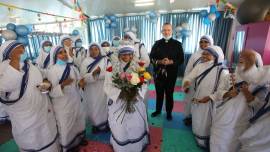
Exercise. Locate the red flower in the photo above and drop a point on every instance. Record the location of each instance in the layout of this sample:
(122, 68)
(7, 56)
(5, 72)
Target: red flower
(142, 79)
(141, 63)
(129, 76)
(109, 69)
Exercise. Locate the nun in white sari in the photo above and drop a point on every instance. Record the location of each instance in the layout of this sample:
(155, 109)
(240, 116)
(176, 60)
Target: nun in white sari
(194, 60)
(129, 130)
(80, 53)
(66, 43)
(231, 114)
(207, 77)
(3, 114)
(257, 137)
(93, 71)
(30, 112)
(43, 60)
(66, 100)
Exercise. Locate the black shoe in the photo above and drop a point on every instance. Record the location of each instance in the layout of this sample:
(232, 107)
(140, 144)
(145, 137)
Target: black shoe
(156, 113)
(188, 121)
(169, 117)
(84, 142)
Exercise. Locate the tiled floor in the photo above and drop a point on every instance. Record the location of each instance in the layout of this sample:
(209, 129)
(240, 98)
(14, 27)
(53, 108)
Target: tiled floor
(166, 136)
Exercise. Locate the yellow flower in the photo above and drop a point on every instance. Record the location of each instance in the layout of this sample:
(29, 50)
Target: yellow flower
(141, 69)
(135, 79)
(147, 75)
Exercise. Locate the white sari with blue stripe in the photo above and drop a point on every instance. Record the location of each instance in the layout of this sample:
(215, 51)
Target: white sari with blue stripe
(67, 106)
(202, 112)
(31, 115)
(129, 130)
(95, 99)
(231, 118)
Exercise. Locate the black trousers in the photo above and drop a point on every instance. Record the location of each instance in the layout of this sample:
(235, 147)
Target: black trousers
(165, 86)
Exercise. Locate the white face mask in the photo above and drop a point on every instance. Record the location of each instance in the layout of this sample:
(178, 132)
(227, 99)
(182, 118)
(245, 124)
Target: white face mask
(106, 49)
(167, 38)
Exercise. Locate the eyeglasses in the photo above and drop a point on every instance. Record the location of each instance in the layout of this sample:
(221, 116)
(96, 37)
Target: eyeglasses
(204, 42)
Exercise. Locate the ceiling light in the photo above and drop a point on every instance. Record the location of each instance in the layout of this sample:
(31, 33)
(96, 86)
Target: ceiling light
(143, 1)
(171, 1)
(144, 4)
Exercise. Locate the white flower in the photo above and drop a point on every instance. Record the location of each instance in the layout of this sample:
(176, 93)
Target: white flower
(135, 78)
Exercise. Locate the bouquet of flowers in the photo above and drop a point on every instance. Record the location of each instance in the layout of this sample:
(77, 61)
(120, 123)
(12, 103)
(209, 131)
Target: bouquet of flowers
(129, 83)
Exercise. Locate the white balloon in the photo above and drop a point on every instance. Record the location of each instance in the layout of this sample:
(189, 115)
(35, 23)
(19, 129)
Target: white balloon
(184, 25)
(212, 16)
(178, 28)
(9, 35)
(108, 21)
(134, 29)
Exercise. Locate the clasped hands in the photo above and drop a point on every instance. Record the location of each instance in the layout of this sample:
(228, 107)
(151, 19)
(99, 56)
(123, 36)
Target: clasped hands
(165, 61)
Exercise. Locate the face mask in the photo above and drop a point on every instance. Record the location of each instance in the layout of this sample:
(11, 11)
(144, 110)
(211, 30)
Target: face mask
(167, 38)
(61, 62)
(79, 44)
(47, 49)
(116, 43)
(23, 56)
(106, 49)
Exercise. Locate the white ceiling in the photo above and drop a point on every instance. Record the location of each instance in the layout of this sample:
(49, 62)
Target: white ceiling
(90, 7)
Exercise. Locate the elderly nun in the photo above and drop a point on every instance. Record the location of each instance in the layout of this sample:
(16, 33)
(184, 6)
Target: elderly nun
(257, 136)
(66, 100)
(93, 70)
(129, 129)
(43, 60)
(232, 113)
(195, 59)
(207, 77)
(30, 111)
(140, 52)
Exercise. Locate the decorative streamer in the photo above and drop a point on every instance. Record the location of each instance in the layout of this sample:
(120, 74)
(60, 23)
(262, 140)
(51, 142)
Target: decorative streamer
(33, 11)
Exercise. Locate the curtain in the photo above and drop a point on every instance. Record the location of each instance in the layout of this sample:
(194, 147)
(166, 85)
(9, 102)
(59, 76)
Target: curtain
(221, 32)
(34, 43)
(146, 31)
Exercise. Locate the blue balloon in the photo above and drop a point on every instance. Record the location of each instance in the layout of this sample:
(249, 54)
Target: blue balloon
(152, 14)
(107, 26)
(213, 8)
(113, 18)
(30, 27)
(22, 30)
(1, 40)
(113, 25)
(203, 13)
(206, 21)
(217, 14)
(11, 26)
(75, 33)
(106, 17)
(23, 40)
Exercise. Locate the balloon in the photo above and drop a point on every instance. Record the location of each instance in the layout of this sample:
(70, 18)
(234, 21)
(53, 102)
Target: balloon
(185, 33)
(11, 26)
(107, 26)
(1, 40)
(23, 40)
(213, 9)
(75, 33)
(206, 21)
(218, 14)
(184, 25)
(252, 11)
(113, 25)
(152, 14)
(203, 13)
(22, 30)
(126, 29)
(133, 29)
(113, 18)
(147, 16)
(9, 35)
(108, 21)
(212, 16)
(178, 29)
